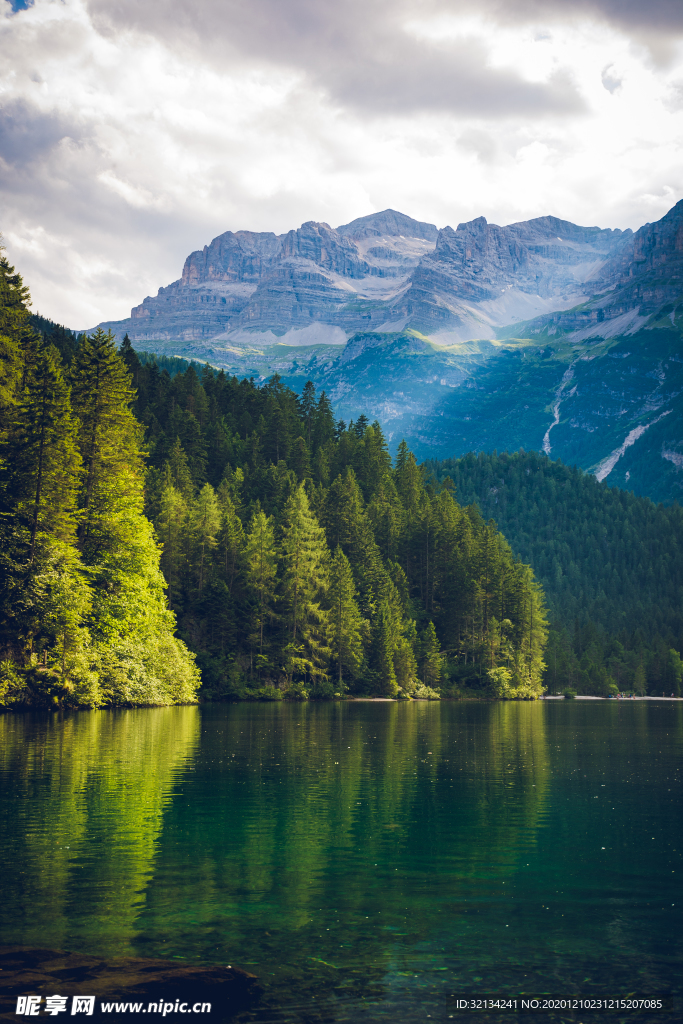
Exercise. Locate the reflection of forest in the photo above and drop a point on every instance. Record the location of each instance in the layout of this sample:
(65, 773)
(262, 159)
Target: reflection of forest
(317, 832)
(344, 847)
(334, 816)
(86, 795)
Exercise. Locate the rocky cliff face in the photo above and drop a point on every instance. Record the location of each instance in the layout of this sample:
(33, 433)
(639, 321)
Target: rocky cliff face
(382, 272)
(482, 276)
(639, 285)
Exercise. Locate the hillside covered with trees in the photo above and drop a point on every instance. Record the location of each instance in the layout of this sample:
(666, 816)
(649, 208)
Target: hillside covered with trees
(610, 563)
(299, 560)
(83, 611)
(296, 559)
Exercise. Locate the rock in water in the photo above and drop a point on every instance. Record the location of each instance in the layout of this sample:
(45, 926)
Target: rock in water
(47, 972)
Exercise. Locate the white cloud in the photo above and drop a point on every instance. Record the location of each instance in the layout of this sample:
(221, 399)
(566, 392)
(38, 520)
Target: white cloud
(125, 144)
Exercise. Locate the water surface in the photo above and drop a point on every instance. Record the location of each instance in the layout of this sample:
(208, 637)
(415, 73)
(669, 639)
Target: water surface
(366, 861)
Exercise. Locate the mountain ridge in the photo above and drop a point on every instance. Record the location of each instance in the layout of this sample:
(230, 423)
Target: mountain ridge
(384, 271)
(413, 339)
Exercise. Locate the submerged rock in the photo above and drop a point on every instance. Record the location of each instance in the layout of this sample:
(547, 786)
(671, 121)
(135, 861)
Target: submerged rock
(28, 971)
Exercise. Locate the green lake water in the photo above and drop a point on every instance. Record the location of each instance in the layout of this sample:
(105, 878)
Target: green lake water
(368, 861)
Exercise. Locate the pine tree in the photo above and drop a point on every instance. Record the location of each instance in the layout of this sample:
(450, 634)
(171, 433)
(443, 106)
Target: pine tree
(140, 659)
(346, 624)
(304, 581)
(109, 437)
(231, 537)
(385, 637)
(179, 470)
(44, 465)
(308, 409)
(40, 467)
(323, 423)
(15, 330)
(172, 517)
(299, 460)
(430, 656)
(207, 521)
(261, 556)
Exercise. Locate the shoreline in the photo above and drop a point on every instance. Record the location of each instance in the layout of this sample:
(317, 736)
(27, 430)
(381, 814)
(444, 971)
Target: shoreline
(26, 708)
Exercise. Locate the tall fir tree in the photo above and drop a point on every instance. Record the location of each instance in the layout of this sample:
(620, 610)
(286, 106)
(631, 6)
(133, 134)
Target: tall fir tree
(304, 582)
(140, 658)
(261, 558)
(347, 628)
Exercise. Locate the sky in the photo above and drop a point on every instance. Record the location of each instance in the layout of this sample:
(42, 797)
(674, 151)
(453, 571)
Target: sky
(133, 133)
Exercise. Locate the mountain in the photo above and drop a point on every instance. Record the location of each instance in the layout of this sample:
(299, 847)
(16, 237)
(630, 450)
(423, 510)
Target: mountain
(596, 378)
(384, 272)
(641, 284)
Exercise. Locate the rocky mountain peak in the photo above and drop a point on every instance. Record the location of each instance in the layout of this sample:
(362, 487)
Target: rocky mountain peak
(384, 272)
(644, 276)
(233, 256)
(322, 245)
(388, 223)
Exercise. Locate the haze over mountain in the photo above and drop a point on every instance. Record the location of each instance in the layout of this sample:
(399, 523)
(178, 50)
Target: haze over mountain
(542, 334)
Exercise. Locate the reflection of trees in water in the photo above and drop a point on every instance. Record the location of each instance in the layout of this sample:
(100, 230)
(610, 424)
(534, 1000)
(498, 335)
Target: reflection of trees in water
(340, 849)
(89, 793)
(314, 796)
(304, 836)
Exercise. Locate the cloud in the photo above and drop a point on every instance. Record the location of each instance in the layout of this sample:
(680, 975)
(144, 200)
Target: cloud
(131, 134)
(27, 135)
(633, 15)
(360, 52)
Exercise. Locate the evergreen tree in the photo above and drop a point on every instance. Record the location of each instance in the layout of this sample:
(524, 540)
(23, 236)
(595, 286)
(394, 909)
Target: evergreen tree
(207, 521)
(15, 331)
(346, 624)
(308, 408)
(430, 656)
(172, 518)
(385, 637)
(43, 463)
(231, 537)
(261, 554)
(110, 438)
(140, 660)
(304, 582)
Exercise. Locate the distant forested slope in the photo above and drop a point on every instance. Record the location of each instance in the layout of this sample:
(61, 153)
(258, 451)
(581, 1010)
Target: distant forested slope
(610, 562)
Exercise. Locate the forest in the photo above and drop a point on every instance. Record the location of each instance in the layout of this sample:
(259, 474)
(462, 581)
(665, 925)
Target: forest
(610, 563)
(84, 618)
(153, 525)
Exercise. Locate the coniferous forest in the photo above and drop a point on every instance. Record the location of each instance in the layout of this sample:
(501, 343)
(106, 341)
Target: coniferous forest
(83, 611)
(610, 563)
(151, 519)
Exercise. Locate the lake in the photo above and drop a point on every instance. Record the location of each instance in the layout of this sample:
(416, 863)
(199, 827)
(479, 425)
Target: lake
(368, 861)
